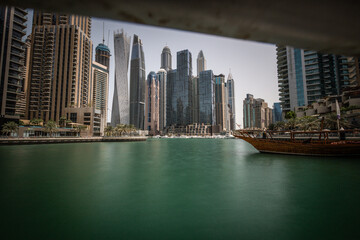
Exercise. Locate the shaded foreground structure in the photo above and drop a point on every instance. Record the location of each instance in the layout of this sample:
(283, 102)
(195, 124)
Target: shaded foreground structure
(282, 22)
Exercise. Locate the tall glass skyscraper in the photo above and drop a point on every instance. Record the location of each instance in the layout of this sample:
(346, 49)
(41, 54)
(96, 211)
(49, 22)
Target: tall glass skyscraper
(201, 63)
(231, 101)
(221, 103)
(170, 91)
(277, 112)
(166, 59)
(161, 78)
(182, 96)
(137, 84)
(120, 106)
(195, 99)
(206, 97)
(306, 76)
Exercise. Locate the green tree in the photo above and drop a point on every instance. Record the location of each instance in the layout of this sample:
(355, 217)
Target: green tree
(62, 121)
(79, 128)
(36, 121)
(119, 129)
(109, 131)
(290, 115)
(50, 127)
(291, 124)
(271, 126)
(308, 123)
(10, 127)
(279, 126)
(330, 122)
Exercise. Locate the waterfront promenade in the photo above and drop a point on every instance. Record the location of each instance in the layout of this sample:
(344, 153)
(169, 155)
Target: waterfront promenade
(47, 140)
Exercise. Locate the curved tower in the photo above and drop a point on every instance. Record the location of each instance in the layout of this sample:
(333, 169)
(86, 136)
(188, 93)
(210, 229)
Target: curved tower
(166, 59)
(137, 84)
(120, 106)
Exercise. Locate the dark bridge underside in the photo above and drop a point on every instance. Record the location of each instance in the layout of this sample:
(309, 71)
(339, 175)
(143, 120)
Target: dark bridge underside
(327, 26)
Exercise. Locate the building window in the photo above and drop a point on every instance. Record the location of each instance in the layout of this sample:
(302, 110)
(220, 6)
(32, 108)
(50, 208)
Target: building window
(73, 117)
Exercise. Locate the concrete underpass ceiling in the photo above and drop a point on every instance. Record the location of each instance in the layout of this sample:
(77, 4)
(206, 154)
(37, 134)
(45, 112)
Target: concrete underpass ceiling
(326, 26)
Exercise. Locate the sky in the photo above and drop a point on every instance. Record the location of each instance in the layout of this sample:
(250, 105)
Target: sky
(252, 64)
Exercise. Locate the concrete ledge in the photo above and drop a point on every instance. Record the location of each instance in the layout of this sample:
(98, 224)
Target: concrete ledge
(19, 141)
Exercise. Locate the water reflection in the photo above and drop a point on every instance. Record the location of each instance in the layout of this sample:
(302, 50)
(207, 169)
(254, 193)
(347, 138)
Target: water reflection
(176, 188)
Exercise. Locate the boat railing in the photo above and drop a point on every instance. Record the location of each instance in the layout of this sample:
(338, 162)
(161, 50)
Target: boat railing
(324, 135)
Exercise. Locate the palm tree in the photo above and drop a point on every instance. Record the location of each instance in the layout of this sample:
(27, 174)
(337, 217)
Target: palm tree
(79, 128)
(36, 121)
(119, 129)
(279, 125)
(291, 124)
(330, 122)
(10, 127)
(109, 130)
(62, 121)
(132, 128)
(50, 127)
(307, 123)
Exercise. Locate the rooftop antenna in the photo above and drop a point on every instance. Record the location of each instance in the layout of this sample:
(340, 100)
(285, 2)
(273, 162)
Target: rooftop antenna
(103, 32)
(109, 38)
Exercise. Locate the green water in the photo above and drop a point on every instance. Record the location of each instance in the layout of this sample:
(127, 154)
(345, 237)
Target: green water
(175, 189)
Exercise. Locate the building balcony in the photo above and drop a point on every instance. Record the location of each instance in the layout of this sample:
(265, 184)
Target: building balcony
(20, 15)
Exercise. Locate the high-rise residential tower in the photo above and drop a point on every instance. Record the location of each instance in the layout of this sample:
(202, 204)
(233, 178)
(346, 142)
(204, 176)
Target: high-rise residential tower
(206, 98)
(291, 72)
(277, 112)
(120, 107)
(195, 99)
(152, 104)
(182, 95)
(12, 30)
(231, 101)
(102, 55)
(162, 81)
(257, 114)
(166, 59)
(306, 76)
(100, 78)
(60, 72)
(221, 104)
(170, 91)
(201, 63)
(137, 84)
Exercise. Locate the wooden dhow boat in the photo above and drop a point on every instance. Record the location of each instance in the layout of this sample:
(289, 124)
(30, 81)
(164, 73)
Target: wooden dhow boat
(291, 143)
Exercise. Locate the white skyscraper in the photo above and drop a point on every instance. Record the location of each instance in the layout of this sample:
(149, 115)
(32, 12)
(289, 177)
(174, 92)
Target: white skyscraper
(120, 106)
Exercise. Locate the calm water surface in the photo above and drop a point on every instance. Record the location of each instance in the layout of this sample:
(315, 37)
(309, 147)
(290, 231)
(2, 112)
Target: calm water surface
(175, 189)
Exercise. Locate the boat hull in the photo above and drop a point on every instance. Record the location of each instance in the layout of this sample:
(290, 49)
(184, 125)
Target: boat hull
(316, 148)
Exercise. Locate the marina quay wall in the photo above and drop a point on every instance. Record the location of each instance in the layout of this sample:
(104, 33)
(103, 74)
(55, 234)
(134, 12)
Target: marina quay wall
(47, 140)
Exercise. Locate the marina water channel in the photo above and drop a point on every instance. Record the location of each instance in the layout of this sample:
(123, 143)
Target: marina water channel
(175, 189)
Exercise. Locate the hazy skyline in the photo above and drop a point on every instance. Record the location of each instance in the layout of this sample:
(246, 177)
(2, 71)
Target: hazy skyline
(252, 64)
